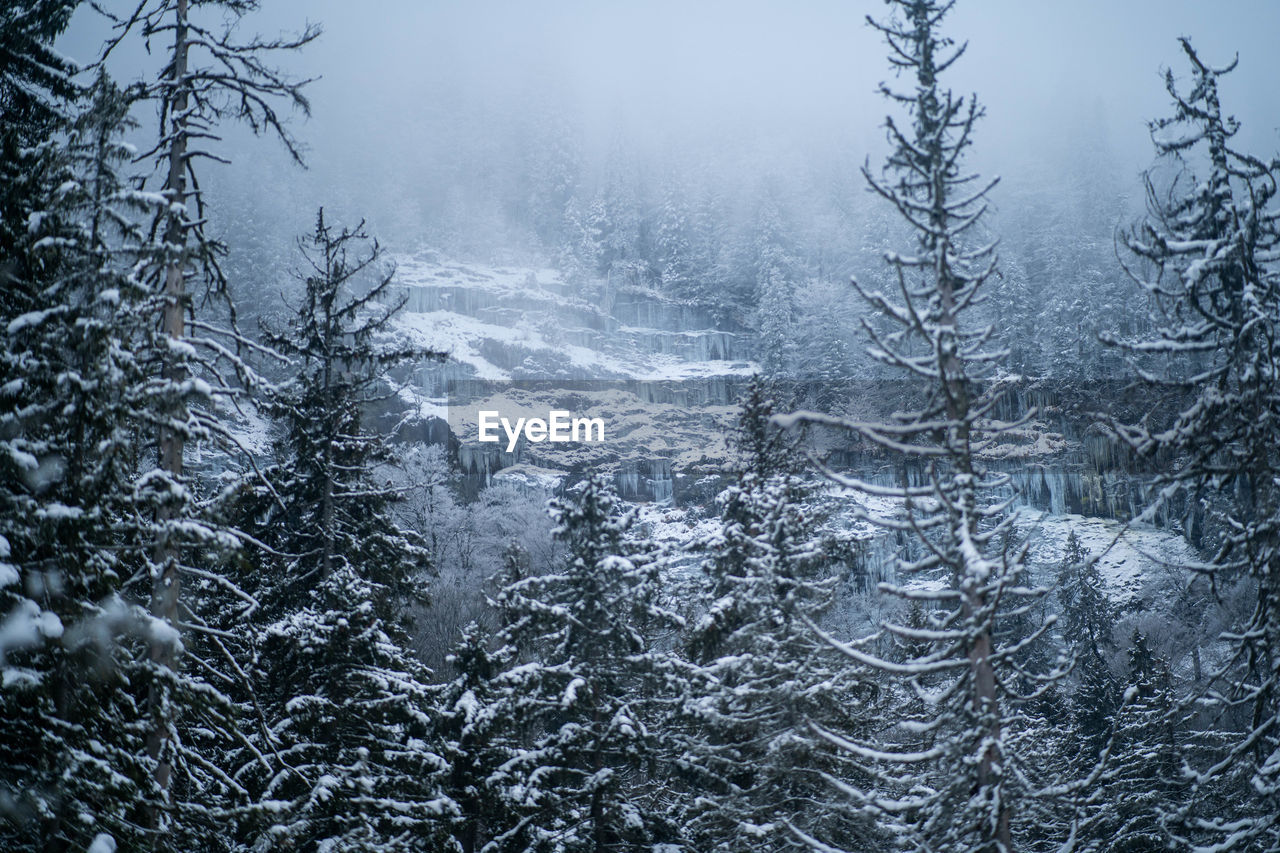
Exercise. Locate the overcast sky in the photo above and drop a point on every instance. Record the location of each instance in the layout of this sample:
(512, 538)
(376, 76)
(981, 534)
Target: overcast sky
(673, 75)
(690, 67)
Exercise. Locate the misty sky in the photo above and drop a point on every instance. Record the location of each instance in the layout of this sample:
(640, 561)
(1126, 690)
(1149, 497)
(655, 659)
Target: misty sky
(686, 66)
(1063, 82)
(689, 68)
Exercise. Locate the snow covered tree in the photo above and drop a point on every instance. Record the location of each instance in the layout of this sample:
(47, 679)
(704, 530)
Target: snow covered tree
(948, 772)
(347, 705)
(580, 697)
(708, 217)
(1086, 620)
(36, 85)
(762, 677)
(580, 248)
(209, 75)
(552, 164)
(1060, 286)
(88, 344)
(824, 356)
(74, 394)
(477, 743)
(775, 293)
(1140, 784)
(675, 246)
(36, 91)
(1207, 256)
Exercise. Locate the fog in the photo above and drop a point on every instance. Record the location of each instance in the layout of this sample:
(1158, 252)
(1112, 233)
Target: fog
(434, 119)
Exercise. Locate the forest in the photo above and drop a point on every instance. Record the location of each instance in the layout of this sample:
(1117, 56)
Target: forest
(932, 511)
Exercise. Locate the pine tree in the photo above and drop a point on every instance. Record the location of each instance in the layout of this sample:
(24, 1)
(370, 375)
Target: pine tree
(775, 281)
(1206, 256)
(37, 85)
(197, 369)
(675, 248)
(824, 357)
(950, 775)
(88, 339)
(75, 392)
(553, 163)
(615, 215)
(580, 698)
(708, 217)
(477, 743)
(36, 94)
(1086, 620)
(580, 249)
(760, 774)
(348, 707)
(1140, 784)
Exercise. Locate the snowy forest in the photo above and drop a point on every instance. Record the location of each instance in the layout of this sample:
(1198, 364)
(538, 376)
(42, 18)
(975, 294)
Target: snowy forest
(936, 349)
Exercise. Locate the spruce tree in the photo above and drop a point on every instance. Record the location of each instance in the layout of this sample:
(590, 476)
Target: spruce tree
(37, 88)
(198, 371)
(580, 696)
(674, 247)
(580, 250)
(85, 333)
(349, 709)
(762, 678)
(74, 393)
(37, 92)
(775, 292)
(1206, 255)
(949, 772)
(1086, 621)
(476, 739)
(1140, 784)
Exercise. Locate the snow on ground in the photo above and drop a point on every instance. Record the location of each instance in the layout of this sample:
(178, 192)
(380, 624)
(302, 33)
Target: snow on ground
(504, 323)
(423, 405)
(1129, 556)
(676, 527)
(424, 270)
(633, 428)
(531, 477)
(460, 336)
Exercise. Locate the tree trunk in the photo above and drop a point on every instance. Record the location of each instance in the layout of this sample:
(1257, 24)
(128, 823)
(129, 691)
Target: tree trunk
(984, 703)
(166, 588)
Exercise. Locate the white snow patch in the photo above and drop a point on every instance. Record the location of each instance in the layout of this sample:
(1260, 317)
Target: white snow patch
(1128, 556)
(531, 477)
(102, 843)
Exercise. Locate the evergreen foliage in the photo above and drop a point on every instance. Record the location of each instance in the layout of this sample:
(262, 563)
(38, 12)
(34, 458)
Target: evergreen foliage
(215, 550)
(1206, 255)
(582, 691)
(71, 542)
(948, 771)
(1086, 621)
(196, 372)
(1141, 785)
(349, 713)
(477, 742)
(762, 678)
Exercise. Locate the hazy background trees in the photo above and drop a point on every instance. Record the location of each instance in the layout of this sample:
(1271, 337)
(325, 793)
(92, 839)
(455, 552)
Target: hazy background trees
(278, 695)
(576, 136)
